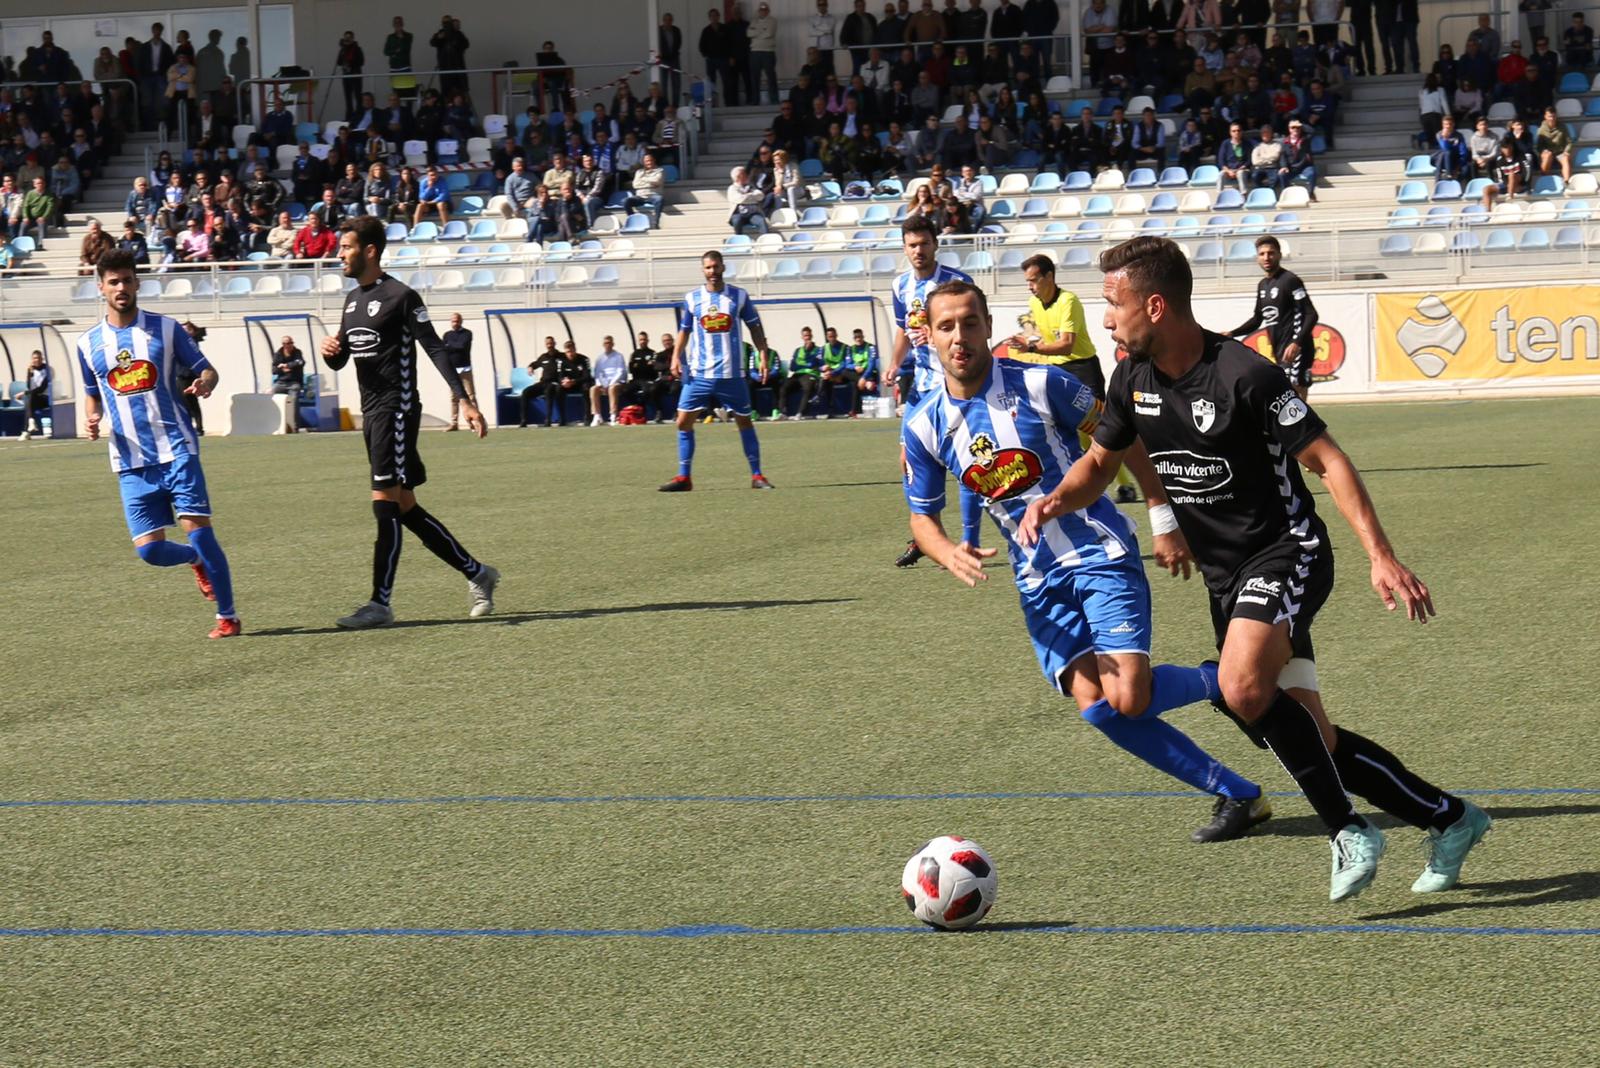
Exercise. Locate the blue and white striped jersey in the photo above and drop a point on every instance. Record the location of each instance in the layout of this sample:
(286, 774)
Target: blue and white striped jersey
(1011, 444)
(910, 294)
(715, 321)
(133, 372)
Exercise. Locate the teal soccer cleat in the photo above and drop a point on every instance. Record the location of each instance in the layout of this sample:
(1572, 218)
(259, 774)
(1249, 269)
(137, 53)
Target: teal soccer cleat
(1355, 860)
(1449, 847)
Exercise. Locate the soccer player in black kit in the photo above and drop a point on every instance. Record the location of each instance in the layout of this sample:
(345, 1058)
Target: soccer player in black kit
(1225, 430)
(1285, 309)
(383, 323)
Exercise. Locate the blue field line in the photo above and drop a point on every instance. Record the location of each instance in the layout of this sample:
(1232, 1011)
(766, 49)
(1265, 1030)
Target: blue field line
(718, 930)
(717, 799)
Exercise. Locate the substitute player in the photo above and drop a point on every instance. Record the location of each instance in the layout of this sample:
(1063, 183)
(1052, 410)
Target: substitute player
(1285, 309)
(1063, 340)
(913, 366)
(383, 323)
(130, 361)
(1225, 430)
(709, 353)
(1007, 431)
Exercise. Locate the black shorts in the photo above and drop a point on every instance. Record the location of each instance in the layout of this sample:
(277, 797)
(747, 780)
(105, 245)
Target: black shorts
(1089, 373)
(1299, 368)
(1279, 585)
(392, 448)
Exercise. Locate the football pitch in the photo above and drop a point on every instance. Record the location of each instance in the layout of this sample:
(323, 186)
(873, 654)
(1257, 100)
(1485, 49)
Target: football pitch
(654, 811)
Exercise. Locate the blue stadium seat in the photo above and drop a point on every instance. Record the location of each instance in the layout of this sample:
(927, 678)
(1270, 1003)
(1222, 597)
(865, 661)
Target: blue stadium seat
(876, 215)
(884, 264)
(423, 233)
(1573, 82)
(637, 223)
(989, 184)
(862, 240)
(1575, 211)
(395, 232)
(1467, 241)
(1440, 215)
(889, 188)
(1592, 109)
(1474, 214)
(798, 242)
(1569, 237)
(297, 212)
(1105, 106)
(1204, 177)
(1534, 240)
(1045, 182)
(1403, 217)
(237, 287)
(819, 267)
(1261, 200)
(1153, 228)
(1089, 230)
(1208, 252)
(1419, 166)
(1077, 180)
(1173, 178)
(1163, 202)
(1228, 200)
(1446, 189)
(1172, 102)
(1002, 209)
(1499, 241)
(1475, 188)
(1395, 245)
(1251, 225)
(1587, 159)
(297, 284)
(1286, 222)
(1098, 206)
(1412, 193)
(1079, 257)
(554, 252)
(588, 250)
(1188, 226)
(454, 230)
(1243, 251)
(670, 174)
(465, 254)
(1034, 208)
(813, 217)
(457, 182)
(811, 168)
(1141, 178)
(1548, 185)
(1025, 160)
(785, 270)
(830, 191)
(850, 267)
(1056, 231)
(405, 257)
(482, 230)
(1011, 259)
(1219, 226)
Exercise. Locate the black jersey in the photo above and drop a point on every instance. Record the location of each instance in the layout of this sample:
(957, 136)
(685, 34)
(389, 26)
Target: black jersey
(381, 327)
(1223, 439)
(1285, 310)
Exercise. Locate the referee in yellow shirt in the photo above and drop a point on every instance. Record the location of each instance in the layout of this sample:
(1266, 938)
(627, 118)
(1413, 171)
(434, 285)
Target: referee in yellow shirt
(1063, 341)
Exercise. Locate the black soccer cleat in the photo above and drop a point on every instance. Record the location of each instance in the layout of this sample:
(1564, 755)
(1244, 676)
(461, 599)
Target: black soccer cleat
(910, 557)
(1232, 818)
(1127, 495)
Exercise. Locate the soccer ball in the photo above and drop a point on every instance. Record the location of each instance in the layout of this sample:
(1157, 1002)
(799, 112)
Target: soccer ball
(949, 883)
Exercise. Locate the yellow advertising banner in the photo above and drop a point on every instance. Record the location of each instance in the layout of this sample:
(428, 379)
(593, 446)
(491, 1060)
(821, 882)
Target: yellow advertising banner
(1488, 334)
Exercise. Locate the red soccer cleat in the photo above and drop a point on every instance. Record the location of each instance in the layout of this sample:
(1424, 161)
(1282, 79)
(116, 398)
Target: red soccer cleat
(679, 484)
(203, 580)
(227, 628)
(760, 482)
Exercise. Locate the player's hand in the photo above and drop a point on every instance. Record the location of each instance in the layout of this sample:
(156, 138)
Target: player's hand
(1172, 552)
(1397, 585)
(917, 335)
(475, 420)
(330, 346)
(966, 563)
(200, 387)
(92, 425)
(677, 367)
(1290, 351)
(1040, 511)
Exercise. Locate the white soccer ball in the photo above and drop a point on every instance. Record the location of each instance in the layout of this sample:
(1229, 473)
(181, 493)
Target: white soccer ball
(949, 883)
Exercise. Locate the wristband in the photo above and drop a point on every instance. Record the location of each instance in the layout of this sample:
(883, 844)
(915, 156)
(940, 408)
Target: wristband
(1162, 521)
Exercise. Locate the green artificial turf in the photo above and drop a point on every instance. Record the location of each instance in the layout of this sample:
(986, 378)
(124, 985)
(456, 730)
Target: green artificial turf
(707, 709)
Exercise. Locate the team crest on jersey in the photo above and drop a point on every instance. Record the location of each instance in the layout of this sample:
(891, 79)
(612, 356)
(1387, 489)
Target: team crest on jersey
(131, 376)
(1000, 473)
(373, 306)
(716, 322)
(1205, 413)
(348, 308)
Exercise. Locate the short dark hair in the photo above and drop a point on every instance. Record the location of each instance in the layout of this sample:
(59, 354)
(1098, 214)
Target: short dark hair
(370, 233)
(1268, 239)
(713, 254)
(956, 288)
(1153, 265)
(116, 259)
(919, 224)
(1044, 264)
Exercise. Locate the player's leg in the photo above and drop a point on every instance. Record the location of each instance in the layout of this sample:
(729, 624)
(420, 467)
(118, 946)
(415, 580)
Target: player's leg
(694, 398)
(382, 432)
(734, 394)
(481, 578)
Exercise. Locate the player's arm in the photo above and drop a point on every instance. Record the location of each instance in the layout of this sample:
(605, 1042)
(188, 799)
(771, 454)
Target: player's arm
(1305, 317)
(92, 410)
(188, 353)
(335, 353)
(897, 357)
(925, 494)
(1249, 324)
(1112, 427)
(1170, 546)
(963, 561)
(678, 351)
(1392, 579)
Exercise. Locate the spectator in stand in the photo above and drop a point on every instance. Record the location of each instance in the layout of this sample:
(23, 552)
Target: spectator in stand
(1509, 71)
(591, 184)
(280, 239)
(630, 156)
(649, 187)
(716, 52)
(1486, 37)
(1285, 102)
(66, 185)
(805, 364)
(1319, 112)
(407, 197)
(450, 47)
(1449, 152)
(572, 216)
(1099, 30)
(1191, 145)
(277, 125)
(664, 142)
(1266, 159)
(37, 207)
(669, 54)
(152, 60)
(1577, 41)
(377, 193)
(1432, 106)
(1547, 61)
(542, 212)
(746, 200)
(857, 33)
(968, 190)
(194, 246)
(432, 196)
(1299, 163)
(1234, 159)
(762, 32)
(820, 31)
(1517, 130)
(1119, 140)
(1117, 68)
(348, 62)
(1553, 145)
(134, 243)
(397, 46)
(141, 204)
(1531, 96)
(1482, 147)
(315, 241)
(559, 173)
(992, 143)
(1508, 172)
(96, 243)
(609, 379)
(1474, 65)
(1088, 143)
(1149, 141)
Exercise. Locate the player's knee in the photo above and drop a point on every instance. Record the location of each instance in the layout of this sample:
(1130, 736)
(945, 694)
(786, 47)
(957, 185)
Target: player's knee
(1247, 695)
(1127, 698)
(150, 552)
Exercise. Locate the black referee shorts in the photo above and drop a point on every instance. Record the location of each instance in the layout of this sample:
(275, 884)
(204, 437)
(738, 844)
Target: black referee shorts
(1280, 585)
(392, 448)
(1088, 372)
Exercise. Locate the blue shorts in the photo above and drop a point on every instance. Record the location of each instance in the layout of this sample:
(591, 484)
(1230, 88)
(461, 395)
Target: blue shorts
(151, 495)
(702, 393)
(1097, 608)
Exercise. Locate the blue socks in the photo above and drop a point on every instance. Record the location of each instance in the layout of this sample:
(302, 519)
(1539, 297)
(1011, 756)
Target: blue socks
(752, 448)
(203, 543)
(166, 553)
(971, 516)
(685, 452)
(1172, 687)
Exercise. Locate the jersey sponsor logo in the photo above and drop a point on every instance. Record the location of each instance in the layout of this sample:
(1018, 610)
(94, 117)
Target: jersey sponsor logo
(1294, 409)
(1147, 403)
(1187, 472)
(1205, 414)
(1000, 473)
(716, 322)
(916, 315)
(421, 314)
(1257, 584)
(348, 308)
(373, 306)
(362, 339)
(131, 376)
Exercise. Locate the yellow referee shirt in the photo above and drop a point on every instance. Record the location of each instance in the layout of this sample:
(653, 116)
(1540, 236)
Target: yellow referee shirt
(1063, 316)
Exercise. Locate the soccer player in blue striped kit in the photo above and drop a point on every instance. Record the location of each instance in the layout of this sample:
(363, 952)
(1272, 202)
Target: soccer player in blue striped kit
(129, 361)
(1008, 432)
(710, 357)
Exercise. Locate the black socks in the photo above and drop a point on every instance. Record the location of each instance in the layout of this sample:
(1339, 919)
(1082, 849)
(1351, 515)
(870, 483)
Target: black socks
(439, 540)
(385, 549)
(1291, 733)
(1371, 771)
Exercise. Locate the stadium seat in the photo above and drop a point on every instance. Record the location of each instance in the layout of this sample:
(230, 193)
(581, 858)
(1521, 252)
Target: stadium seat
(844, 215)
(1439, 215)
(606, 275)
(86, 290)
(1500, 113)
(1592, 109)
(811, 168)
(589, 249)
(1137, 104)
(1568, 108)
(457, 182)
(237, 286)
(415, 153)
(1251, 225)
(1228, 200)
(1296, 196)
(1446, 189)
(1054, 231)
(884, 264)
(979, 260)
(1419, 166)
(178, 289)
(447, 150)
(1547, 185)
(813, 217)
(1188, 226)
(1569, 237)
(1195, 202)
(454, 230)
(1099, 206)
(1002, 209)
(1131, 204)
(1153, 228)
(1243, 251)
(1582, 185)
(737, 244)
(1045, 182)
(1473, 214)
(950, 259)
(605, 225)
(571, 277)
(830, 191)
(769, 243)
(1507, 211)
(1208, 252)
(832, 241)
(1108, 180)
(1163, 203)
(1059, 84)
(876, 215)
(1467, 241)
(1575, 211)
(285, 155)
(1573, 82)
(1034, 208)
(1105, 106)
(621, 248)
(395, 232)
(1475, 188)
(1088, 230)
(1395, 245)
(1141, 178)
(1014, 184)
(1404, 217)
(637, 223)
(1542, 211)
(470, 207)
(1066, 208)
(423, 232)
(1219, 226)
(850, 267)
(1077, 181)
(150, 288)
(241, 136)
(889, 188)
(1429, 243)
(1173, 178)
(819, 267)
(543, 278)
(862, 240)
(1534, 240)
(1285, 222)
(554, 252)
(1011, 259)
(296, 284)
(1588, 159)
(1412, 193)
(799, 242)
(1259, 200)
(1204, 177)
(512, 230)
(465, 254)
(405, 258)
(783, 219)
